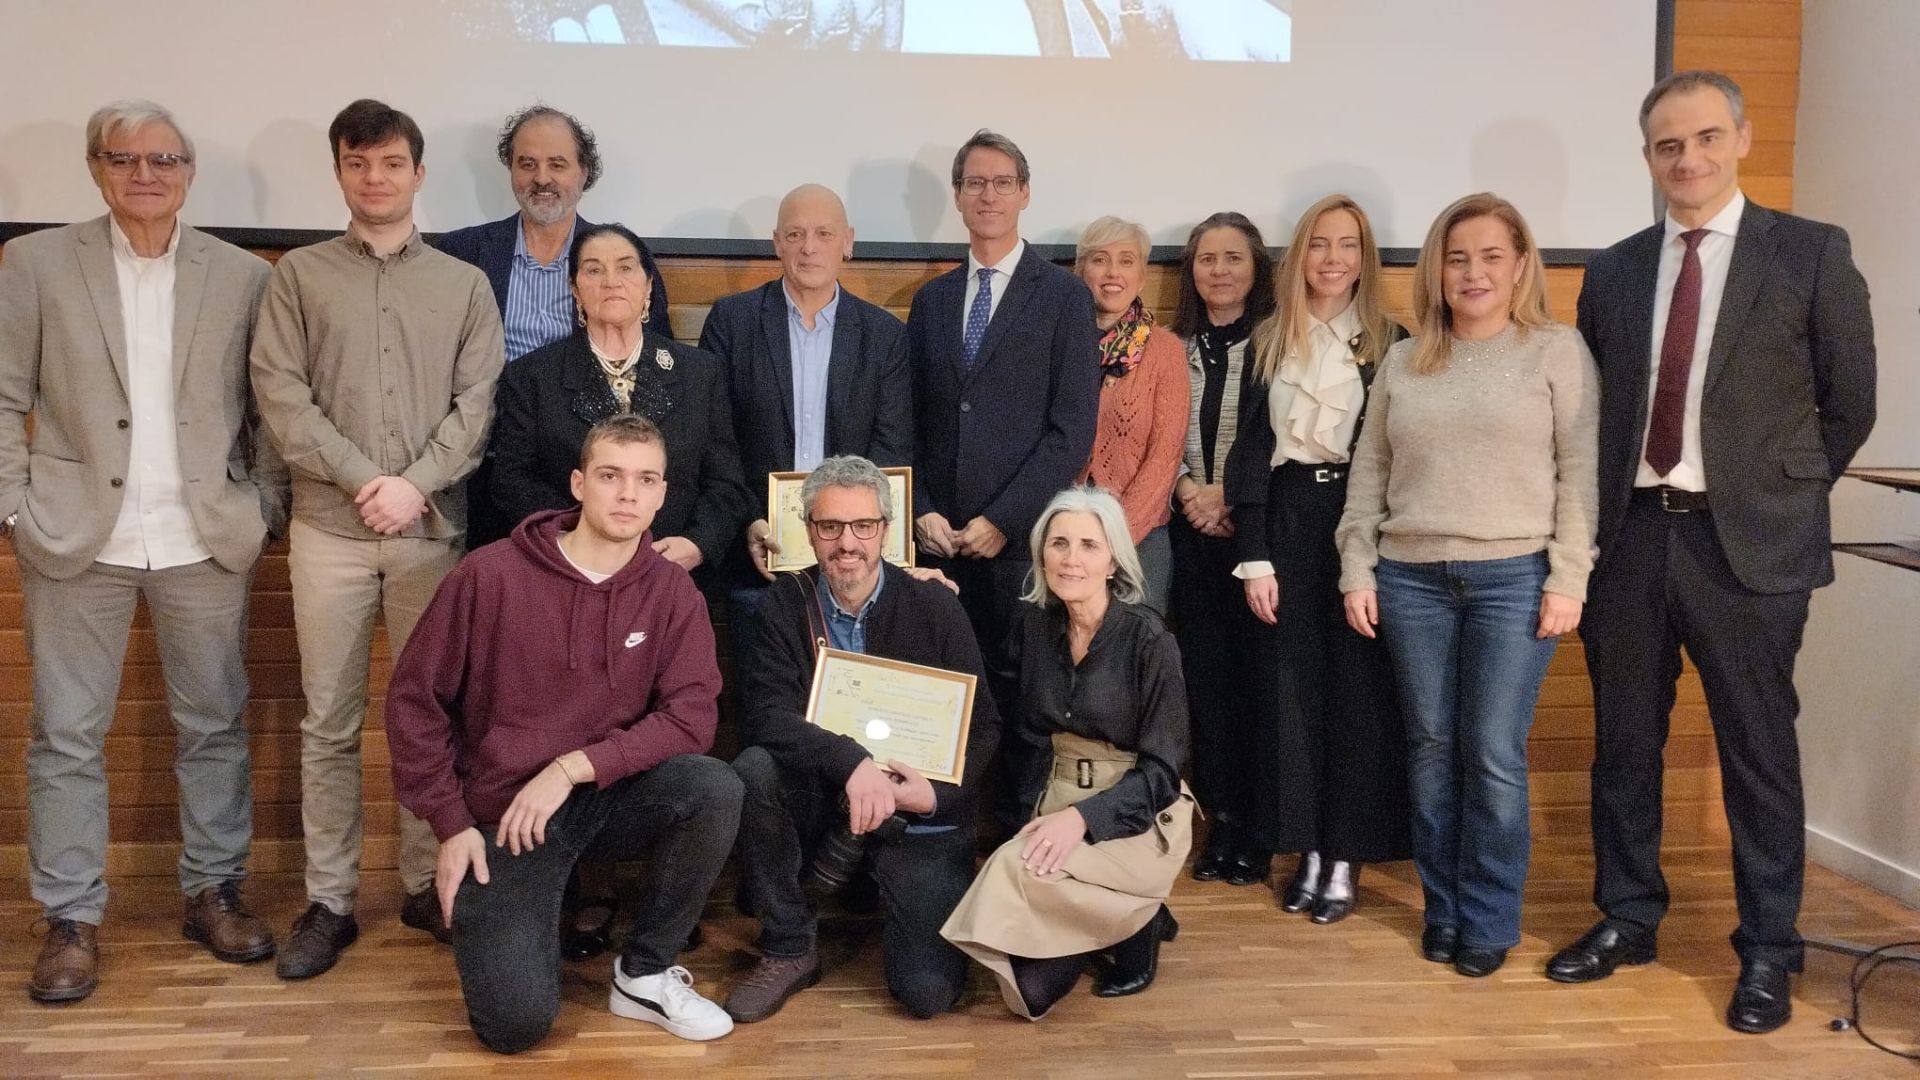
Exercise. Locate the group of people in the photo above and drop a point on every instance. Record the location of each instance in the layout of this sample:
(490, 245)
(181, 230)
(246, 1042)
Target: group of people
(1367, 539)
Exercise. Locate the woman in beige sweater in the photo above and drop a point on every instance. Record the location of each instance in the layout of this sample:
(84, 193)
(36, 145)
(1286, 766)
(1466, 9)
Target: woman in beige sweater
(1466, 543)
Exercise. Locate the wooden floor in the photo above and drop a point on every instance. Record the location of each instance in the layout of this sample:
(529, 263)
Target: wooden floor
(1245, 992)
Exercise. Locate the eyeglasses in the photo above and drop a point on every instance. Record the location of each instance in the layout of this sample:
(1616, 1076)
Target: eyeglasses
(122, 163)
(863, 529)
(975, 185)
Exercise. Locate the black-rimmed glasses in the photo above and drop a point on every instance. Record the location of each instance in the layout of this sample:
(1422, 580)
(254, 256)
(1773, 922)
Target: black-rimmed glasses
(863, 528)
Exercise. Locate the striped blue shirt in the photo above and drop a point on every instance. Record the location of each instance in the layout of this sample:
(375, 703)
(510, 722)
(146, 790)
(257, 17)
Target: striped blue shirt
(811, 350)
(539, 301)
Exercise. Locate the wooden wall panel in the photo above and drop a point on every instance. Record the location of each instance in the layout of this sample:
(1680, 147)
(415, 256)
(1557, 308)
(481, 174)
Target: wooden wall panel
(1755, 41)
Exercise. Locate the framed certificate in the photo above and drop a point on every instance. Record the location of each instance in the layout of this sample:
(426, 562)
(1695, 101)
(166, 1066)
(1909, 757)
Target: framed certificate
(787, 520)
(899, 711)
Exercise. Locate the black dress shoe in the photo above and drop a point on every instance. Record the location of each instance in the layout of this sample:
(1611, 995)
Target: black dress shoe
(1439, 943)
(1137, 960)
(1762, 999)
(1304, 889)
(1339, 889)
(1598, 952)
(584, 942)
(1212, 863)
(1477, 963)
(1248, 867)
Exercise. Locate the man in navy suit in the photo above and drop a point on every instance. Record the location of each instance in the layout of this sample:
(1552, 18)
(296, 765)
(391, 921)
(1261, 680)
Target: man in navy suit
(1737, 373)
(1006, 396)
(551, 159)
(813, 371)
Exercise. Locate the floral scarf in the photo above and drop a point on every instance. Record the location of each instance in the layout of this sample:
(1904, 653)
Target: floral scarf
(1122, 346)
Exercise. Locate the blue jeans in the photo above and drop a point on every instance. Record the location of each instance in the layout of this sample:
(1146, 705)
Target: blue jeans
(1468, 667)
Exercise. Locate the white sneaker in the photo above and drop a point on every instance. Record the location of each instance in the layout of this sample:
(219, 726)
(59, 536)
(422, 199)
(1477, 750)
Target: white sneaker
(667, 998)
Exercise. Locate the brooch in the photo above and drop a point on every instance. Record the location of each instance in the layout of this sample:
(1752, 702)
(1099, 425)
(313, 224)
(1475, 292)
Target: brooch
(664, 359)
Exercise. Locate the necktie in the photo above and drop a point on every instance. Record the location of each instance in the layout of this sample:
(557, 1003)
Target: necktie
(1676, 360)
(978, 316)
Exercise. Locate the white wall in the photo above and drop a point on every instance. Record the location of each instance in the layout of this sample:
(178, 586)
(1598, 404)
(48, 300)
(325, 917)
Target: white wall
(1856, 161)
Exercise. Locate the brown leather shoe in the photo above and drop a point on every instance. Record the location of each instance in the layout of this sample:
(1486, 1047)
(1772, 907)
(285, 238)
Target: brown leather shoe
(218, 919)
(69, 964)
(771, 982)
(316, 942)
(421, 911)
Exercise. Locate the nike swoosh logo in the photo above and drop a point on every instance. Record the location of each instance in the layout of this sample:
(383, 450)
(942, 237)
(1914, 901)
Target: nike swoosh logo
(636, 638)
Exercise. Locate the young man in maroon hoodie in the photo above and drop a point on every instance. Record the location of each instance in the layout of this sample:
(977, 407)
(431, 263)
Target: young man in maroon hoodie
(556, 700)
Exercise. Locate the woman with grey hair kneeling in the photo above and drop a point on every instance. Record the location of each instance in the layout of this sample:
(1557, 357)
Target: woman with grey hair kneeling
(1099, 678)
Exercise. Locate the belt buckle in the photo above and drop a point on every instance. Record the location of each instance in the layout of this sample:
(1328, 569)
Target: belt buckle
(1083, 769)
(1668, 507)
(1321, 476)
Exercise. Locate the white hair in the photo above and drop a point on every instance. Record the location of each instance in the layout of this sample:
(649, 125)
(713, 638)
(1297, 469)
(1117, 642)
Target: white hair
(1129, 581)
(847, 470)
(130, 114)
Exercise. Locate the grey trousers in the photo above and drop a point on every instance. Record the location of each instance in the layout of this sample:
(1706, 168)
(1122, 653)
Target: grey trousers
(342, 587)
(76, 633)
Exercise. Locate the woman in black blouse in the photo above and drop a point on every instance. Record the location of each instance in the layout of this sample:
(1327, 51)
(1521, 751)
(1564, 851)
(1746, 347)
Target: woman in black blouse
(1100, 678)
(550, 397)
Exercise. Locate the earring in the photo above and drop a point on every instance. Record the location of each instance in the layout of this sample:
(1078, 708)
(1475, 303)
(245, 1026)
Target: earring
(579, 314)
(645, 310)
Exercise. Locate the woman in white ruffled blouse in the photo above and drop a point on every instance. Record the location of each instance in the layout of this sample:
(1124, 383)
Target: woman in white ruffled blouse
(1337, 755)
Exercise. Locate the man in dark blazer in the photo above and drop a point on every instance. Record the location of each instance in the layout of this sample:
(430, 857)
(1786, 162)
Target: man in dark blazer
(813, 372)
(552, 160)
(1737, 366)
(1006, 398)
(146, 476)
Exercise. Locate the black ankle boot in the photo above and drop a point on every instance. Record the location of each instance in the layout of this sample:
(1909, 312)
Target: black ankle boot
(1137, 960)
(1305, 887)
(1339, 888)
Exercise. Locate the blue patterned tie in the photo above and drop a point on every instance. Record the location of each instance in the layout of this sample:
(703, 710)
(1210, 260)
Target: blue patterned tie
(978, 316)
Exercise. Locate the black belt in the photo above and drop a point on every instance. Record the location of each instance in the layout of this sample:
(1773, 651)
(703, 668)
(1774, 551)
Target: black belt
(1321, 474)
(1671, 499)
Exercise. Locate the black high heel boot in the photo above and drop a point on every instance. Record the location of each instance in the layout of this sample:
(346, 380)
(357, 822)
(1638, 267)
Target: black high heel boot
(1305, 887)
(1338, 891)
(1137, 960)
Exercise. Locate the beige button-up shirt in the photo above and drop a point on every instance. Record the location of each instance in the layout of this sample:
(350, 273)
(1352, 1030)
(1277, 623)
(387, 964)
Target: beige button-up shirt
(367, 366)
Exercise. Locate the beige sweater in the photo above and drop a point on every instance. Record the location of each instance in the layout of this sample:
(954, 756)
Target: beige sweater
(1492, 457)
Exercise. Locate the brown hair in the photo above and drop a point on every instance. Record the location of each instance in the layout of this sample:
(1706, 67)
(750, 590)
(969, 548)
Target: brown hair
(1435, 342)
(1191, 314)
(1284, 333)
(621, 429)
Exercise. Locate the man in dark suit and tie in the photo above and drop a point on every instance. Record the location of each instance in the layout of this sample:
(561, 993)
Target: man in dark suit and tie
(1737, 368)
(552, 160)
(145, 476)
(813, 372)
(1006, 397)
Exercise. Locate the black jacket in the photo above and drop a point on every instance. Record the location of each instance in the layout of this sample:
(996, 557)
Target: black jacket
(915, 621)
(490, 247)
(549, 398)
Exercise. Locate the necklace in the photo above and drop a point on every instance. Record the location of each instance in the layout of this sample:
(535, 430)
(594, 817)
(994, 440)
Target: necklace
(619, 373)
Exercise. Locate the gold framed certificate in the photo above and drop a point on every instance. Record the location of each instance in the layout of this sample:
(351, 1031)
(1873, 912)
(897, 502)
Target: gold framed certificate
(787, 520)
(903, 712)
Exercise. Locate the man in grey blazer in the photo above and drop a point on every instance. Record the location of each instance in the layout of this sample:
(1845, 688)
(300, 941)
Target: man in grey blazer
(1737, 380)
(126, 337)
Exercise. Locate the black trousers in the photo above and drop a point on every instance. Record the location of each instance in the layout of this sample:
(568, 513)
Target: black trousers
(1339, 770)
(1662, 585)
(1232, 741)
(506, 942)
(990, 592)
(922, 877)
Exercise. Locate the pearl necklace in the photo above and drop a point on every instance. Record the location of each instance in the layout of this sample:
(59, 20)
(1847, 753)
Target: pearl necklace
(619, 372)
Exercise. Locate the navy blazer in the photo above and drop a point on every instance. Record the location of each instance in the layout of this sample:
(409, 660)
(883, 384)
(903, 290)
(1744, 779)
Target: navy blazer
(869, 388)
(1789, 393)
(1005, 438)
(490, 247)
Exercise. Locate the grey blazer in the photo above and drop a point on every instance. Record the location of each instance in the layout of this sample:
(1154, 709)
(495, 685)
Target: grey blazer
(63, 358)
(1789, 393)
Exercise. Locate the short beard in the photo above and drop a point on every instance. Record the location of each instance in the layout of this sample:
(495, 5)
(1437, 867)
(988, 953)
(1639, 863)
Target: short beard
(847, 582)
(543, 214)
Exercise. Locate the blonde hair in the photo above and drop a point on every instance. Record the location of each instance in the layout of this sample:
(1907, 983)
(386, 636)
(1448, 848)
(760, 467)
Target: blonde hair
(1435, 333)
(1109, 230)
(1284, 333)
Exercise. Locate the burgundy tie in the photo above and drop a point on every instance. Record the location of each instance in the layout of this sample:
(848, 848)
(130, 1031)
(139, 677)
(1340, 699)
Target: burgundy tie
(1676, 360)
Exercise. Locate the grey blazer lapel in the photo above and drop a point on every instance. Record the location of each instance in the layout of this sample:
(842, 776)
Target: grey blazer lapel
(189, 289)
(95, 253)
(1753, 250)
(1640, 283)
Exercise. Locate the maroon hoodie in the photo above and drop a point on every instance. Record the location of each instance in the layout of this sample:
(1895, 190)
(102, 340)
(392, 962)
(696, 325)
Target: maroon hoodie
(520, 659)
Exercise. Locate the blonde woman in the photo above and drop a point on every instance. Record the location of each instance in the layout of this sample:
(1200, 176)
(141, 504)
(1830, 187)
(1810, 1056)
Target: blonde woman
(1466, 543)
(1325, 692)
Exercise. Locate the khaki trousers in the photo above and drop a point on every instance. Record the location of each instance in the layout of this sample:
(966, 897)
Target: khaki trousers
(341, 585)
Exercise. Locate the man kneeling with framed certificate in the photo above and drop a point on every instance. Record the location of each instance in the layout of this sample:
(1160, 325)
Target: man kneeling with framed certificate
(815, 795)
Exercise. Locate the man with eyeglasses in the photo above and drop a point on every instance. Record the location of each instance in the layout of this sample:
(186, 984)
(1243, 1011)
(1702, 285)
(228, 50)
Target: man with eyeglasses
(1006, 398)
(804, 783)
(126, 337)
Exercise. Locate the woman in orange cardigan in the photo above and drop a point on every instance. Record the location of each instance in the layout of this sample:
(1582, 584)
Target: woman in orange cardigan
(1143, 398)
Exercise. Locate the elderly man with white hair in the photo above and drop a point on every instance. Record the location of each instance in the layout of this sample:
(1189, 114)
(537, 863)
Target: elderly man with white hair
(126, 337)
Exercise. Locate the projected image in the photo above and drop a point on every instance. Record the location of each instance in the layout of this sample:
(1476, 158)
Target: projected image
(1242, 30)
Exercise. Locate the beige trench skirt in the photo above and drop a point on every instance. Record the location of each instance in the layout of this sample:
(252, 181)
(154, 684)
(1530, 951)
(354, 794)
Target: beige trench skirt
(1102, 895)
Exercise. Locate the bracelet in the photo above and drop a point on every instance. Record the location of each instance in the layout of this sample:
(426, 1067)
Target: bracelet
(561, 762)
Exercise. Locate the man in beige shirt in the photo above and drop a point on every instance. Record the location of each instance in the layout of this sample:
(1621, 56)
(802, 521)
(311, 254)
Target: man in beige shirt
(374, 364)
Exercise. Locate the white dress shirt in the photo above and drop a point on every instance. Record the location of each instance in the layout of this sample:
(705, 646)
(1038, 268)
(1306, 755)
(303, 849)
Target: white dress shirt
(1002, 275)
(1716, 256)
(154, 530)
